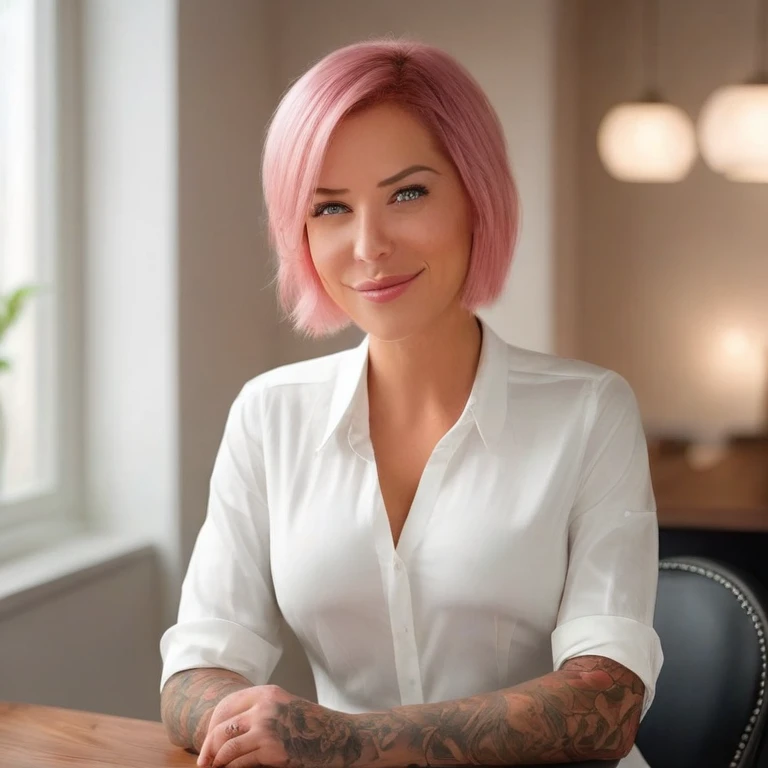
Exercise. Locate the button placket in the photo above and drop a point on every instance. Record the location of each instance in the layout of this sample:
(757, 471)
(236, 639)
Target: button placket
(403, 636)
(428, 490)
(396, 572)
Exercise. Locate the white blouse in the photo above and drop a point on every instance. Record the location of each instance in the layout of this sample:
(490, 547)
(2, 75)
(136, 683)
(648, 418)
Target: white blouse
(532, 537)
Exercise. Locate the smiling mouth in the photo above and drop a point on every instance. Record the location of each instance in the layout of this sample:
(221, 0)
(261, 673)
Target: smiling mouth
(383, 293)
(370, 286)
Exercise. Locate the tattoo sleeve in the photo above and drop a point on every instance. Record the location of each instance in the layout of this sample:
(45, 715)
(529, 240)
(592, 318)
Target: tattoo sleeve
(588, 710)
(188, 700)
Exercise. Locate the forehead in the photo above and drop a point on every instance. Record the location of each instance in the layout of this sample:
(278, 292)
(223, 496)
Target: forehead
(380, 140)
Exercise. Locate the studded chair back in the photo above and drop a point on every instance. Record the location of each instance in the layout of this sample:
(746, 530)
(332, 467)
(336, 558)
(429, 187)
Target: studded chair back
(710, 707)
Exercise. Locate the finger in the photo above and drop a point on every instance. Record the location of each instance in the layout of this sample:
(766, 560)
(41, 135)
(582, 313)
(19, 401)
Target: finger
(207, 751)
(228, 708)
(229, 730)
(245, 761)
(235, 750)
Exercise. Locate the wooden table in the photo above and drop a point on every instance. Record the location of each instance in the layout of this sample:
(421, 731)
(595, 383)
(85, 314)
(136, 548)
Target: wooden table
(32, 736)
(46, 737)
(732, 495)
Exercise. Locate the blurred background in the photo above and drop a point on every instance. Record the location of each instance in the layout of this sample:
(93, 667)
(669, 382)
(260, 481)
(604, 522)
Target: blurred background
(130, 204)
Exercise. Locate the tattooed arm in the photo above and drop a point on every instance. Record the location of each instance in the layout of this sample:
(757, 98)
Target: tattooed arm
(588, 710)
(188, 700)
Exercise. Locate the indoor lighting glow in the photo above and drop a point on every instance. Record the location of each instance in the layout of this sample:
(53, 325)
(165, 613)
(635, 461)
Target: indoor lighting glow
(733, 132)
(647, 141)
(736, 343)
(733, 125)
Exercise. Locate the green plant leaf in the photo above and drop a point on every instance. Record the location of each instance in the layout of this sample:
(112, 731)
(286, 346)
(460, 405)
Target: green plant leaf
(5, 365)
(12, 305)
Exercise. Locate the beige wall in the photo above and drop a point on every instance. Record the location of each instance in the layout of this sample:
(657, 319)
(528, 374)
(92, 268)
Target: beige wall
(227, 315)
(666, 269)
(565, 198)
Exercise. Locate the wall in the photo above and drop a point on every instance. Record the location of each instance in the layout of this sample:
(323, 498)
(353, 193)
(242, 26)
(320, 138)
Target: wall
(666, 270)
(227, 314)
(566, 183)
(89, 642)
(509, 46)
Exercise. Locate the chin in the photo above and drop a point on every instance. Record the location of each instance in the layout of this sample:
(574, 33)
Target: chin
(391, 325)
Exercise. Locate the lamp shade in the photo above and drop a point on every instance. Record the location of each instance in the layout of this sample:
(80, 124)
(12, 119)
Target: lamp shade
(733, 132)
(647, 141)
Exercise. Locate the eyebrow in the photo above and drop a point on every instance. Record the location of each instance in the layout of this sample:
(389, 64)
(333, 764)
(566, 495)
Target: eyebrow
(385, 183)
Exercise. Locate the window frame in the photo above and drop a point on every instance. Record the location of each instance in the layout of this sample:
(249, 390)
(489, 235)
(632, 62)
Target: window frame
(31, 521)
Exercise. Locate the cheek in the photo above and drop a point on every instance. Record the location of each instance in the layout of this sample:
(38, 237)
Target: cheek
(427, 233)
(327, 250)
(444, 239)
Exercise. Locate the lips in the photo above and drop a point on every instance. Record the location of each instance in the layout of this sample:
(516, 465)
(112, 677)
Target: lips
(385, 282)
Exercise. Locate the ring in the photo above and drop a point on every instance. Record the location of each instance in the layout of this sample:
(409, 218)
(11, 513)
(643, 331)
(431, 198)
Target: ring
(232, 729)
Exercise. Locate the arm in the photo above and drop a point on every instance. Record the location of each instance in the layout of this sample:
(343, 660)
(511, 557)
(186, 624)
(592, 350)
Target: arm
(588, 710)
(227, 635)
(188, 700)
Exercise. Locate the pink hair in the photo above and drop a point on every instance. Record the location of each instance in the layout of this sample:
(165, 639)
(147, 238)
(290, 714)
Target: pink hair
(453, 107)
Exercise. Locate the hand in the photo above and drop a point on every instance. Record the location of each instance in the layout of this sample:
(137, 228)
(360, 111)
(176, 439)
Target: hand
(266, 725)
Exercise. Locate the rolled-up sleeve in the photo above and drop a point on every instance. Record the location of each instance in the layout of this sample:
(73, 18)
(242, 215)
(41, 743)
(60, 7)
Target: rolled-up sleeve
(228, 616)
(610, 591)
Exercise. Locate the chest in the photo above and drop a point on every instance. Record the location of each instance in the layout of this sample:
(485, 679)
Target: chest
(401, 457)
(464, 524)
(467, 524)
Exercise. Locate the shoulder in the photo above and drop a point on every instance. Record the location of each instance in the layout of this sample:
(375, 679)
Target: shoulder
(293, 385)
(594, 383)
(542, 364)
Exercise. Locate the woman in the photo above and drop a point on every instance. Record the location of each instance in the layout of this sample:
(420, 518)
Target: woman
(462, 534)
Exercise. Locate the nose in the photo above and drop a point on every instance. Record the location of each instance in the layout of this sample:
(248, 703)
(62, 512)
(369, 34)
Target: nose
(372, 242)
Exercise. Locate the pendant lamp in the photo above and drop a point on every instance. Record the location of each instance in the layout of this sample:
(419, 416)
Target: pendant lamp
(648, 140)
(733, 125)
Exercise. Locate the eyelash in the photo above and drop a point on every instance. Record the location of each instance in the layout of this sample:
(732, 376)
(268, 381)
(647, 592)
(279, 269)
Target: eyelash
(318, 210)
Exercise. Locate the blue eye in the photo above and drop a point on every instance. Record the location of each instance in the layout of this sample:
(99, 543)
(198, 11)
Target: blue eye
(405, 195)
(326, 209)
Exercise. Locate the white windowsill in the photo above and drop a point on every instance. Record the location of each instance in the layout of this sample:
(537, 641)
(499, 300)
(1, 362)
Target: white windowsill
(43, 573)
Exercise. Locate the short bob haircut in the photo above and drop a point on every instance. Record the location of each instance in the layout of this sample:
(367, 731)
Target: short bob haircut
(452, 106)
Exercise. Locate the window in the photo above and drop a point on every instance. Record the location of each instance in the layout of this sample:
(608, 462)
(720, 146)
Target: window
(39, 431)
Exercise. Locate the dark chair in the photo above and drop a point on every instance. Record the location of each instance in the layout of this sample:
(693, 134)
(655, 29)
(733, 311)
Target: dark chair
(710, 709)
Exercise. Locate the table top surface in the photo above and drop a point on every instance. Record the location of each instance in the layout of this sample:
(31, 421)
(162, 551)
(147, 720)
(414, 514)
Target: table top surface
(33, 736)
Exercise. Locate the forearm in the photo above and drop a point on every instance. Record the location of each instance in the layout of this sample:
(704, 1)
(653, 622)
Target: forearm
(589, 710)
(188, 701)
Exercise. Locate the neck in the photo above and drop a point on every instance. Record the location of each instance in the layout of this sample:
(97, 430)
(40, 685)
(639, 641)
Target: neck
(427, 374)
